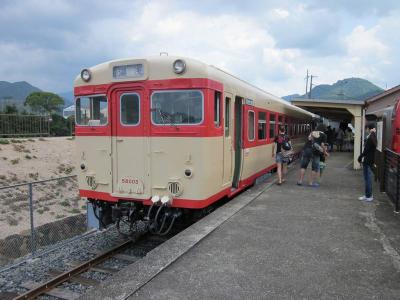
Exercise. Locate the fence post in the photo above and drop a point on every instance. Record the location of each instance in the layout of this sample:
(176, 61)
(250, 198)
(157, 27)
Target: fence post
(33, 240)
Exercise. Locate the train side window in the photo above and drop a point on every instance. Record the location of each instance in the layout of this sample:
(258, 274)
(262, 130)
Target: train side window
(217, 108)
(272, 126)
(91, 110)
(262, 125)
(227, 115)
(130, 109)
(251, 126)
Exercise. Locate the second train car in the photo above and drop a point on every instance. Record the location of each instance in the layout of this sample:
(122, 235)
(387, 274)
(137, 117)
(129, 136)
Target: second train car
(159, 136)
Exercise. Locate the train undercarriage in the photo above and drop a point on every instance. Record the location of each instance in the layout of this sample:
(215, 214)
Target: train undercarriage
(132, 217)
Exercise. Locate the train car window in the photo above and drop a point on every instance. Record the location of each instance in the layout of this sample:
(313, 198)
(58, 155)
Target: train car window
(251, 126)
(91, 111)
(262, 125)
(217, 108)
(130, 109)
(272, 126)
(183, 107)
(227, 115)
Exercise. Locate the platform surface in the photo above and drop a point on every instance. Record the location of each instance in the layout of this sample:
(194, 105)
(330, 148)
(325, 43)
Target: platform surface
(294, 242)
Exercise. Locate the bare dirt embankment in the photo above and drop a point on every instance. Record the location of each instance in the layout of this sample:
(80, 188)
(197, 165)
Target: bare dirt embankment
(26, 160)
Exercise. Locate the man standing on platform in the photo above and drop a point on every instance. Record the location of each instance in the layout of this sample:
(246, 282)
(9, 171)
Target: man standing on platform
(367, 158)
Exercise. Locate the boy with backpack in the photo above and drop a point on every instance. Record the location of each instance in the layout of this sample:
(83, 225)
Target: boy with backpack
(313, 148)
(282, 146)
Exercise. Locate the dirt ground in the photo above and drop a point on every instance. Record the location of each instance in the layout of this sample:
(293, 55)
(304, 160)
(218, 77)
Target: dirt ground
(27, 160)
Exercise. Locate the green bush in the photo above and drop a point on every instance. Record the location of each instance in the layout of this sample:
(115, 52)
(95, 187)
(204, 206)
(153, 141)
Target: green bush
(4, 141)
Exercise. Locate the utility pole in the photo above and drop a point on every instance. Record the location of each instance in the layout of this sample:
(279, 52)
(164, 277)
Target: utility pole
(311, 85)
(307, 83)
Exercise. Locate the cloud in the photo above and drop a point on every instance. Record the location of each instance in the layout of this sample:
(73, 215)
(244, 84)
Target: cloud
(268, 43)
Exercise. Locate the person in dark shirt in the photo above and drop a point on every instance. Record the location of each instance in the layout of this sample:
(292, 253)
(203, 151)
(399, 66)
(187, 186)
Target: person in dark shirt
(367, 158)
(280, 158)
(313, 148)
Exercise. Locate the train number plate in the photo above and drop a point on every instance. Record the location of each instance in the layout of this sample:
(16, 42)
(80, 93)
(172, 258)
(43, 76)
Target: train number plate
(131, 185)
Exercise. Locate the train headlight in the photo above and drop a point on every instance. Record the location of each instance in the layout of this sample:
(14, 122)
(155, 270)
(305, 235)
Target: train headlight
(86, 75)
(165, 199)
(155, 199)
(179, 66)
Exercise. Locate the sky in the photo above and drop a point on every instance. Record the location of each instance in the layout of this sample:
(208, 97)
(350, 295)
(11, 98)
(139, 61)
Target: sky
(268, 43)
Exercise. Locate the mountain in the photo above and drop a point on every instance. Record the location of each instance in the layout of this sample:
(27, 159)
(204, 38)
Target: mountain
(68, 98)
(349, 88)
(14, 93)
(291, 97)
(16, 90)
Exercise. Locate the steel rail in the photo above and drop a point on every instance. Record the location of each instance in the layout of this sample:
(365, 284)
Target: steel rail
(52, 283)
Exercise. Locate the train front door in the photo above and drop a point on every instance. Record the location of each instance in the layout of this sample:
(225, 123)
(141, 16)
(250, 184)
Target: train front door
(228, 147)
(238, 141)
(129, 143)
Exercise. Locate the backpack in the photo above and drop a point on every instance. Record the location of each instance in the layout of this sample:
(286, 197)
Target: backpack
(315, 146)
(286, 145)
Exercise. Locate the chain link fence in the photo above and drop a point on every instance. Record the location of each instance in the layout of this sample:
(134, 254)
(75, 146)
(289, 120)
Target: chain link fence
(38, 214)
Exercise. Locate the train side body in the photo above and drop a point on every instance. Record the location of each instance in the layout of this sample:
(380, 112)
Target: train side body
(195, 157)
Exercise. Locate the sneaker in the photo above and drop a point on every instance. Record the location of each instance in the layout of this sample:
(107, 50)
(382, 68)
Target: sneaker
(314, 184)
(368, 199)
(362, 198)
(299, 183)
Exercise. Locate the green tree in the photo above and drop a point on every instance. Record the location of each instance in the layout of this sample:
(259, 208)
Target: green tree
(11, 110)
(44, 102)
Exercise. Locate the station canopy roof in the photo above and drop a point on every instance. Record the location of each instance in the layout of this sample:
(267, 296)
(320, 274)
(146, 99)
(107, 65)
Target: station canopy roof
(335, 110)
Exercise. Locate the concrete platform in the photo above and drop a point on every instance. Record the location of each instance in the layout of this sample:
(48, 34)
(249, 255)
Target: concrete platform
(279, 242)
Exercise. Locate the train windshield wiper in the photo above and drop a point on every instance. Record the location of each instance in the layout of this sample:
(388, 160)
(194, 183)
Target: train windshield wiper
(165, 117)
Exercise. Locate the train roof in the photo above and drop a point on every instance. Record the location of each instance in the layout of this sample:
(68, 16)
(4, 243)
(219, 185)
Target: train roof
(161, 67)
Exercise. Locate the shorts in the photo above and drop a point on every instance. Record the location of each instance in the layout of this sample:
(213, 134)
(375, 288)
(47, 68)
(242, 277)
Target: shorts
(280, 159)
(305, 160)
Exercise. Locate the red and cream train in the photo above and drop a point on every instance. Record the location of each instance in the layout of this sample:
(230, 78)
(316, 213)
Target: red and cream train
(172, 134)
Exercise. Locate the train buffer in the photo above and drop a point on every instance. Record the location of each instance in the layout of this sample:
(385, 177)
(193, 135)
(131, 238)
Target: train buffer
(279, 242)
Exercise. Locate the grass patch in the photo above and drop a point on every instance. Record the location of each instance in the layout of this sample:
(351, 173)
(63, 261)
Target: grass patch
(75, 211)
(62, 168)
(60, 216)
(14, 161)
(31, 140)
(11, 221)
(34, 176)
(83, 207)
(4, 142)
(65, 203)
(42, 139)
(15, 141)
(71, 138)
(28, 156)
(18, 148)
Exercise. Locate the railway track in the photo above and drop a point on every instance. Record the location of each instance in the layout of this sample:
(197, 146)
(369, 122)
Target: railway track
(58, 284)
(52, 287)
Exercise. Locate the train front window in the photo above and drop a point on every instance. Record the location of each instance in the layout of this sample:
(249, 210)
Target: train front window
(130, 109)
(183, 107)
(91, 110)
